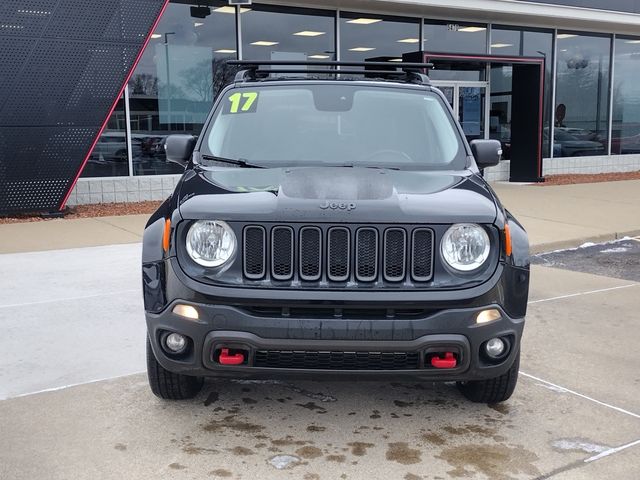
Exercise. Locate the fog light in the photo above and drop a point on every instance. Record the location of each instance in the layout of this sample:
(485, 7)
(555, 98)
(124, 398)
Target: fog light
(175, 342)
(186, 311)
(495, 347)
(487, 316)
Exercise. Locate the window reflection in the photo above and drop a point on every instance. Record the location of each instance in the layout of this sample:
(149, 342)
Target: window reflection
(582, 92)
(528, 43)
(272, 33)
(109, 157)
(367, 37)
(625, 133)
(454, 37)
(178, 77)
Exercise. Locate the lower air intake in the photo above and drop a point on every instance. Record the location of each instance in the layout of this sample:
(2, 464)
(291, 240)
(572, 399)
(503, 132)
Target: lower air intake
(316, 360)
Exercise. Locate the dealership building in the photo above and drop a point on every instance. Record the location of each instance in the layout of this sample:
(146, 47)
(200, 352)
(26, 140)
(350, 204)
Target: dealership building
(90, 89)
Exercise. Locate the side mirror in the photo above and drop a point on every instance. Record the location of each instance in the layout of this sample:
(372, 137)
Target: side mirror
(179, 148)
(486, 152)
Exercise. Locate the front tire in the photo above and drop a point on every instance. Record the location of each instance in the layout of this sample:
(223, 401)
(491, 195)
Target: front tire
(492, 390)
(168, 385)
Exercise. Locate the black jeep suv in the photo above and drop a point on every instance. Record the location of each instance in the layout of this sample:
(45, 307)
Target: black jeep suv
(334, 222)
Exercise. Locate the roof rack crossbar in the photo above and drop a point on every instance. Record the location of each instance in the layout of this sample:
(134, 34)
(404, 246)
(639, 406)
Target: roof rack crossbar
(327, 63)
(409, 71)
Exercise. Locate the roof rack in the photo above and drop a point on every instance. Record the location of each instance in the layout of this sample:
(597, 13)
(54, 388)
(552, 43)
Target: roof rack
(409, 72)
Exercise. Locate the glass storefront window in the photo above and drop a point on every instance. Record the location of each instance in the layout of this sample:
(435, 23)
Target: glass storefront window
(367, 37)
(109, 157)
(178, 77)
(527, 43)
(625, 132)
(276, 33)
(582, 93)
(454, 37)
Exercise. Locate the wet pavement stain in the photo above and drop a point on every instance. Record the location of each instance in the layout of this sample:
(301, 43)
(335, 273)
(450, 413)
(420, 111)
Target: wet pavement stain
(309, 452)
(502, 408)
(120, 446)
(211, 398)
(176, 466)
(288, 441)
(469, 429)
(434, 438)
(221, 472)
(191, 449)
(375, 414)
(229, 422)
(311, 476)
(316, 428)
(359, 449)
(312, 406)
(241, 451)
(411, 476)
(249, 401)
(401, 453)
(401, 404)
(336, 458)
(495, 461)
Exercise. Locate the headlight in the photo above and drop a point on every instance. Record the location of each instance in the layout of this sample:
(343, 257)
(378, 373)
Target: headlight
(465, 247)
(211, 243)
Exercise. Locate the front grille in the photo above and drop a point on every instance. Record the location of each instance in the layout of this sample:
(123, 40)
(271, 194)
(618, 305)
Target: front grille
(338, 254)
(323, 360)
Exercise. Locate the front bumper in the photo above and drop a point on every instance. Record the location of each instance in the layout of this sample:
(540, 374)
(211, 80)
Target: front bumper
(225, 326)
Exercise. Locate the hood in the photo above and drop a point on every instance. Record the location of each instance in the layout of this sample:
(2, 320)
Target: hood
(335, 195)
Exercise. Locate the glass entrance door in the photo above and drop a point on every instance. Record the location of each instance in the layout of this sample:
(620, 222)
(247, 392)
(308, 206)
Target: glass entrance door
(468, 101)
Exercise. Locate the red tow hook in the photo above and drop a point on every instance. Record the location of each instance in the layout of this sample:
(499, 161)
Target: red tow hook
(226, 359)
(449, 361)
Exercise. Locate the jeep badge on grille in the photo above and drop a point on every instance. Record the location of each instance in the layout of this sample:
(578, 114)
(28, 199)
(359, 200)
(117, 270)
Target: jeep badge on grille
(338, 206)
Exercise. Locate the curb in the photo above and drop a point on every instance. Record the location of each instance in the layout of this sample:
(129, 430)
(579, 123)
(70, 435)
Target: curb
(576, 242)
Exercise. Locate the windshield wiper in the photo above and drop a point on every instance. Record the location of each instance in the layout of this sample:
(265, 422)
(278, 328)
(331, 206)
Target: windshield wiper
(241, 162)
(375, 167)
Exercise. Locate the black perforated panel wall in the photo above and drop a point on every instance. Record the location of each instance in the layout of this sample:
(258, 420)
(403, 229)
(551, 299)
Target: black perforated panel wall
(63, 64)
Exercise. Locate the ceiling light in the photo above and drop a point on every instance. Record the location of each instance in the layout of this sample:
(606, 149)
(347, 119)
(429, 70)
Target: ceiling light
(566, 35)
(364, 21)
(632, 41)
(156, 35)
(395, 60)
(501, 45)
(264, 43)
(472, 29)
(230, 9)
(198, 24)
(309, 33)
(361, 49)
(225, 50)
(409, 40)
(319, 57)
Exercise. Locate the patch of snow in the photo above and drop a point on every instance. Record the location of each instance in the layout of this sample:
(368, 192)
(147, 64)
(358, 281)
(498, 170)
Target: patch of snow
(615, 250)
(283, 461)
(577, 444)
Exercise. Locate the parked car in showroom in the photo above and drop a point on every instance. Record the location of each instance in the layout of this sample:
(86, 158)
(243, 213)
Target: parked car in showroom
(334, 226)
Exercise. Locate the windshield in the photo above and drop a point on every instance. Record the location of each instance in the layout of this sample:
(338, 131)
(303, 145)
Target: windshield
(335, 125)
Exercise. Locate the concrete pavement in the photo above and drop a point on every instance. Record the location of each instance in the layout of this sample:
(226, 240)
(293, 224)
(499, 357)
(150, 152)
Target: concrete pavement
(576, 403)
(555, 217)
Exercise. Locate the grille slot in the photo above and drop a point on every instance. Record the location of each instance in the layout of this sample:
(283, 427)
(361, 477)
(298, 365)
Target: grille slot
(338, 254)
(367, 254)
(255, 246)
(422, 255)
(310, 253)
(282, 253)
(323, 360)
(395, 240)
